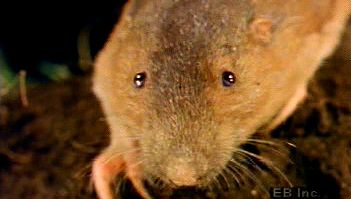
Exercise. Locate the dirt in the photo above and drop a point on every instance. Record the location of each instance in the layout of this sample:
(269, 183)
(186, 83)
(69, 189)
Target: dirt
(46, 149)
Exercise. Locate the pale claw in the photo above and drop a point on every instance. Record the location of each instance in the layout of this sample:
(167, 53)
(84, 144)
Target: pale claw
(106, 170)
(104, 174)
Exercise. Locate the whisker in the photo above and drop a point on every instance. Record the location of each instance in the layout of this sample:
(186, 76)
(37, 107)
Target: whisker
(251, 175)
(232, 173)
(209, 186)
(237, 170)
(250, 160)
(260, 141)
(291, 144)
(225, 179)
(281, 154)
(217, 183)
(277, 148)
(239, 166)
(277, 143)
(269, 164)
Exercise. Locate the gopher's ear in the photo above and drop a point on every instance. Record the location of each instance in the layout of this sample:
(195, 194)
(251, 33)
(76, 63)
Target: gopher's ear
(261, 30)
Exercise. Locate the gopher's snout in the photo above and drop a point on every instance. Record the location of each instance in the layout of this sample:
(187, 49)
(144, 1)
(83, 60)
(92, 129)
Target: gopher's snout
(182, 173)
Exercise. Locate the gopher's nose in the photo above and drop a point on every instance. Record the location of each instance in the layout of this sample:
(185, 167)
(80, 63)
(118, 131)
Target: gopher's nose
(181, 173)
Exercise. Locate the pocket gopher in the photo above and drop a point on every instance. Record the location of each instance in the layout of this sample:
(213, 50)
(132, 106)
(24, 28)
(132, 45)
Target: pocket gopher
(184, 83)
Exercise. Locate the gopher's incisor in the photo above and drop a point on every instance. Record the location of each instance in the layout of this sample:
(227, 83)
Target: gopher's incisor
(184, 83)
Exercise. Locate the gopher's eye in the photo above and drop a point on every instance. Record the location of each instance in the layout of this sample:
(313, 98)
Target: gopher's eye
(139, 80)
(228, 79)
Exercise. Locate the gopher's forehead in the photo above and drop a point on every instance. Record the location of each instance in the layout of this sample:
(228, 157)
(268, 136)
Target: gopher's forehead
(207, 23)
(190, 30)
(187, 34)
(175, 21)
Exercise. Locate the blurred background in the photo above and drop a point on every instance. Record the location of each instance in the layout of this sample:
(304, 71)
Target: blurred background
(52, 40)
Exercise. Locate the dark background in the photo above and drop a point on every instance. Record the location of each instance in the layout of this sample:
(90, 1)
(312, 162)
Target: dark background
(32, 32)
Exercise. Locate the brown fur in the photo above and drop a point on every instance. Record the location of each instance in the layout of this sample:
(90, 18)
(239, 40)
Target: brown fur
(184, 123)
